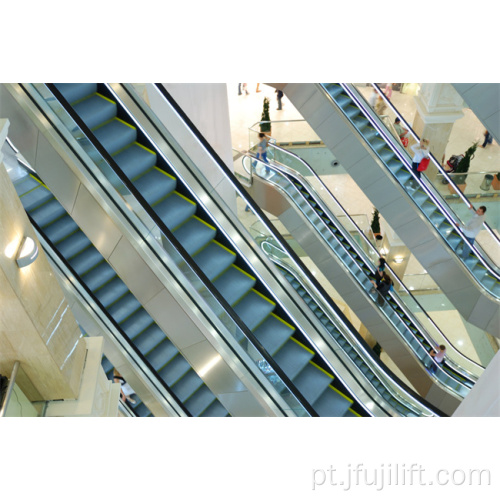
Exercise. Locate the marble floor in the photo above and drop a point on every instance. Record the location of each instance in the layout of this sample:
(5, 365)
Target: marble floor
(245, 112)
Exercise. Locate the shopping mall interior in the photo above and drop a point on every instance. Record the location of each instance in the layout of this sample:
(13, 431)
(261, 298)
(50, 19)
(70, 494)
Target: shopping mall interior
(158, 264)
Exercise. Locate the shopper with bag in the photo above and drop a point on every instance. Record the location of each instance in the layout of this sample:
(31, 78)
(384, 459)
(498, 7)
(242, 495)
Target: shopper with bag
(401, 131)
(421, 157)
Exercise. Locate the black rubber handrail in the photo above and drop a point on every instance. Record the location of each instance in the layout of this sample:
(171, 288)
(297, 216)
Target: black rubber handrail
(186, 257)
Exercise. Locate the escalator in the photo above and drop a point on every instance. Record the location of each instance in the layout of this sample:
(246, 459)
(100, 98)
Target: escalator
(346, 265)
(154, 184)
(88, 265)
(381, 168)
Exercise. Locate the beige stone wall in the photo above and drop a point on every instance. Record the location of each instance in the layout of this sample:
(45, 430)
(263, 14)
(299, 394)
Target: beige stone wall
(36, 325)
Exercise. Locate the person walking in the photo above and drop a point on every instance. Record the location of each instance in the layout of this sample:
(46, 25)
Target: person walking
(472, 228)
(262, 150)
(488, 139)
(380, 106)
(279, 97)
(438, 356)
(420, 151)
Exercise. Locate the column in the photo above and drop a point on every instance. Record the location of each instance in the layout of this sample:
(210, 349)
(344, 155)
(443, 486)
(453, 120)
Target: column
(438, 107)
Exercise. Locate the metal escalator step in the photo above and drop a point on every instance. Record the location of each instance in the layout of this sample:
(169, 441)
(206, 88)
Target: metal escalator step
(111, 291)
(187, 385)
(164, 353)
(60, 229)
(174, 370)
(378, 144)
(292, 358)
(200, 401)
(149, 339)
(214, 259)
(351, 413)
(253, 308)
(73, 245)
(125, 307)
(95, 110)
(137, 323)
(215, 410)
(115, 135)
(35, 198)
(48, 212)
(352, 111)
(360, 122)
(334, 89)
(386, 154)
(25, 184)
(234, 283)
(311, 382)
(175, 209)
(75, 91)
(142, 410)
(154, 185)
(135, 160)
(332, 403)
(86, 260)
(194, 234)
(273, 333)
(99, 275)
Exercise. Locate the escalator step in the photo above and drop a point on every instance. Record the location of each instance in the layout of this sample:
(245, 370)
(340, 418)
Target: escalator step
(95, 110)
(214, 259)
(253, 308)
(187, 385)
(35, 198)
(149, 339)
(312, 381)
(200, 401)
(273, 333)
(25, 184)
(194, 234)
(332, 403)
(215, 410)
(125, 307)
(293, 357)
(48, 213)
(73, 245)
(155, 185)
(135, 160)
(115, 135)
(61, 228)
(174, 370)
(111, 291)
(234, 283)
(75, 91)
(98, 276)
(164, 353)
(175, 209)
(137, 323)
(85, 260)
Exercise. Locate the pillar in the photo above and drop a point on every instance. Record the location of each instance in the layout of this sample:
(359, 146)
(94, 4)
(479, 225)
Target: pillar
(438, 107)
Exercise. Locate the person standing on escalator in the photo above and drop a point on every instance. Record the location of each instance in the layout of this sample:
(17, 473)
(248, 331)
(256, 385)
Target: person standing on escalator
(420, 151)
(438, 356)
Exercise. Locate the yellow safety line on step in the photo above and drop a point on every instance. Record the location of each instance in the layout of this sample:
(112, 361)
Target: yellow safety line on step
(342, 394)
(39, 182)
(283, 321)
(319, 368)
(106, 98)
(264, 297)
(197, 218)
(125, 123)
(144, 147)
(225, 248)
(243, 272)
(352, 411)
(302, 345)
(182, 196)
(165, 173)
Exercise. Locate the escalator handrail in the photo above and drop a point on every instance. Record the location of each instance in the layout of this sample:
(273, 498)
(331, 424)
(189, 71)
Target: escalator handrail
(186, 257)
(357, 342)
(439, 367)
(437, 164)
(429, 189)
(319, 201)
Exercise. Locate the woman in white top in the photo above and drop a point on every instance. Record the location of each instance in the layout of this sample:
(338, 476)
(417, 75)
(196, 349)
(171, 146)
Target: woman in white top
(438, 357)
(421, 151)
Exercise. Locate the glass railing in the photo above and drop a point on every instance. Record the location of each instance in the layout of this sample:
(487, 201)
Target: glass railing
(434, 184)
(155, 235)
(360, 354)
(427, 328)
